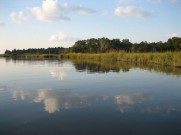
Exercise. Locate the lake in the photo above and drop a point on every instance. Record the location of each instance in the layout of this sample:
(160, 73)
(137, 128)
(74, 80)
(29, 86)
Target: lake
(59, 97)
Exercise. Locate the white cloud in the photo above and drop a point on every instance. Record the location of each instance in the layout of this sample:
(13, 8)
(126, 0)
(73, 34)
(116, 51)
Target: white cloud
(80, 9)
(132, 11)
(61, 37)
(18, 17)
(173, 35)
(51, 10)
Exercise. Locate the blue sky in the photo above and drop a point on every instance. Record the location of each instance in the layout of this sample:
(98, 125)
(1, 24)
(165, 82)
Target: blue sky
(51, 23)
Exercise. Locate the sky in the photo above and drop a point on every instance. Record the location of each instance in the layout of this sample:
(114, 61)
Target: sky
(51, 23)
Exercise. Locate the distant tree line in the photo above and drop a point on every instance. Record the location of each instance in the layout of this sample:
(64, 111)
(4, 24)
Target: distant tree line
(102, 45)
(56, 50)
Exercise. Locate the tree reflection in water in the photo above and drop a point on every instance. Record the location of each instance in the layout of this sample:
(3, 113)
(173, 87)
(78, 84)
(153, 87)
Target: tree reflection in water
(107, 66)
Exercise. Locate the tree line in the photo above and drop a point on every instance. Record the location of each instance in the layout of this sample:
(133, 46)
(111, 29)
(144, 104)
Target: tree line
(56, 50)
(101, 45)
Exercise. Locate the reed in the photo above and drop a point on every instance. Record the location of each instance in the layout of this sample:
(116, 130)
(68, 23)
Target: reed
(164, 58)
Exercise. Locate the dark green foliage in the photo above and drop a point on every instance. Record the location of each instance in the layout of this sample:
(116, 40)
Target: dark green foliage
(56, 50)
(7, 52)
(174, 44)
(102, 45)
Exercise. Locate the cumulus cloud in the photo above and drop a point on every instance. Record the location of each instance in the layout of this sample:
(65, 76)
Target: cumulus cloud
(18, 17)
(61, 37)
(80, 9)
(173, 35)
(58, 37)
(51, 10)
(132, 11)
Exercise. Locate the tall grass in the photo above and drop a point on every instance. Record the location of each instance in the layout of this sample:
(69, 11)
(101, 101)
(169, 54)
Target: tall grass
(165, 58)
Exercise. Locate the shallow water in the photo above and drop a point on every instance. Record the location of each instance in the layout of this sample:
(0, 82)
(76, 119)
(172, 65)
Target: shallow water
(81, 98)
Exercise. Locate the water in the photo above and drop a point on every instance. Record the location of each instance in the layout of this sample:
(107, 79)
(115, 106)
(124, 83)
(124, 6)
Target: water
(55, 97)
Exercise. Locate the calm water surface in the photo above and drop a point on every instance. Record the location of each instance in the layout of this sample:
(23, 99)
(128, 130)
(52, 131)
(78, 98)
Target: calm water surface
(54, 97)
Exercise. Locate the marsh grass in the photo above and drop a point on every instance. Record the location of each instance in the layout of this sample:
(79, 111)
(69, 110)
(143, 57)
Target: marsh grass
(165, 58)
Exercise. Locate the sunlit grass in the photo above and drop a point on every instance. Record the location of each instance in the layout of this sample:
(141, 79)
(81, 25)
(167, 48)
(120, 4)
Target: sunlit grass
(165, 58)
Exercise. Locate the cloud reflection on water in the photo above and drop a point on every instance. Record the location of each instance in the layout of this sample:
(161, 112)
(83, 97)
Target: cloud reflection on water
(131, 99)
(55, 100)
(51, 99)
(57, 73)
(21, 94)
(126, 103)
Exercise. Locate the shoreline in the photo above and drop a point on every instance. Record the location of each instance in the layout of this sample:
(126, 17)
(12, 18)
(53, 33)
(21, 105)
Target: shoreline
(158, 58)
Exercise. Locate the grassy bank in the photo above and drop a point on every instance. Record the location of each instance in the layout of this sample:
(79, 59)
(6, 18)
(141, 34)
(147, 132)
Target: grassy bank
(166, 58)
